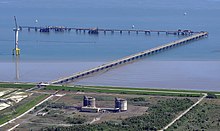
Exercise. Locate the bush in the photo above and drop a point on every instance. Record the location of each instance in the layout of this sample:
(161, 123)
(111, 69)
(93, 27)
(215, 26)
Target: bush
(137, 99)
(211, 96)
(57, 105)
(75, 120)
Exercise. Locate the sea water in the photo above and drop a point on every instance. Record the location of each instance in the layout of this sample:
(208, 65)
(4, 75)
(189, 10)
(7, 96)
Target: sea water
(49, 56)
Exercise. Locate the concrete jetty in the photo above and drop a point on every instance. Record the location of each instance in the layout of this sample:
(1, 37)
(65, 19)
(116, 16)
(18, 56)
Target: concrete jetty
(129, 59)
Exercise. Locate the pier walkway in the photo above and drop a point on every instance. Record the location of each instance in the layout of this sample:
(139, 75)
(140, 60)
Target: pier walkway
(48, 29)
(129, 59)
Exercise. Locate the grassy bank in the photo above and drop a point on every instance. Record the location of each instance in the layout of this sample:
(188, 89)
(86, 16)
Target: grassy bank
(17, 85)
(21, 109)
(121, 90)
(154, 89)
(118, 90)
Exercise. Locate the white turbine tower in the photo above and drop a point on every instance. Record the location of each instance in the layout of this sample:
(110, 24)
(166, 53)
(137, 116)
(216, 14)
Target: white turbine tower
(16, 50)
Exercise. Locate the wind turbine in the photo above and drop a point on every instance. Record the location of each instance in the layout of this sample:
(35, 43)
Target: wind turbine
(16, 50)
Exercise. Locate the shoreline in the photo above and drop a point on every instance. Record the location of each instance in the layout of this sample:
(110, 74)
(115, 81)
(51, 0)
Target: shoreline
(113, 89)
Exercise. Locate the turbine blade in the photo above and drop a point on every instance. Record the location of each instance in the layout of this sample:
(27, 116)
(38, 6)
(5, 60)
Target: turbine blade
(16, 25)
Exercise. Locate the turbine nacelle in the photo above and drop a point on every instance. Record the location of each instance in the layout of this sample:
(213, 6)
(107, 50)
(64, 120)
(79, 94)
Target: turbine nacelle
(16, 29)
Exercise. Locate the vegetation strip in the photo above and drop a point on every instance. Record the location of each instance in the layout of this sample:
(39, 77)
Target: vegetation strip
(112, 89)
(121, 90)
(143, 89)
(154, 89)
(21, 109)
(16, 85)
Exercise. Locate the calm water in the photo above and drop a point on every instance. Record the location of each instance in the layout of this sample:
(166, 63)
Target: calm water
(45, 57)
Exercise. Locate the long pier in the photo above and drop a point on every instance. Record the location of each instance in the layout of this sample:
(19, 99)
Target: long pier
(130, 58)
(48, 29)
